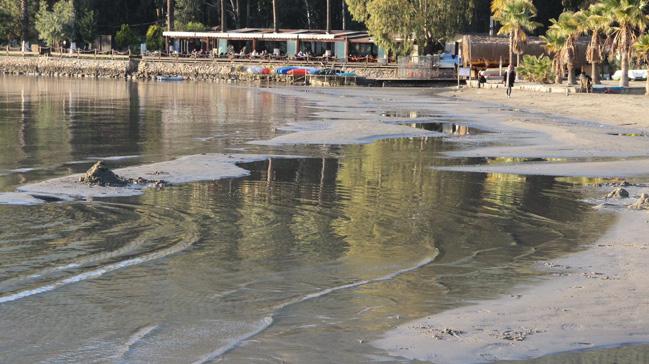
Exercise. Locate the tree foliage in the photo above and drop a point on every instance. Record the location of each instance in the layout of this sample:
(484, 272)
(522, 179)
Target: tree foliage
(554, 43)
(192, 26)
(125, 37)
(515, 18)
(55, 25)
(10, 19)
(87, 26)
(569, 27)
(154, 40)
(399, 25)
(641, 48)
(628, 18)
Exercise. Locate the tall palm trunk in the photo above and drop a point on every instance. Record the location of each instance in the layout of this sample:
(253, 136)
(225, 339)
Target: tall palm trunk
(594, 56)
(646, 86)
(328, 2)
(275, 27)
(624, 80)
(24, 22)
(595, 73)
(572, 80)
(511, 56)
(558, 70)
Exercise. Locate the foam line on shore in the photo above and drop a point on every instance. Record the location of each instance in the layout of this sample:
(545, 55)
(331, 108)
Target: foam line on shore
(268, 321)
(135, 338)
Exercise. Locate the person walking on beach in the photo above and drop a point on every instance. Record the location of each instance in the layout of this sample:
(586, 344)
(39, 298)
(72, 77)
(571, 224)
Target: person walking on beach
(509, 79)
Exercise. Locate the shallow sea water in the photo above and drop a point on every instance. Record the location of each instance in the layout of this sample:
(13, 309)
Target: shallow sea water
(306, 260)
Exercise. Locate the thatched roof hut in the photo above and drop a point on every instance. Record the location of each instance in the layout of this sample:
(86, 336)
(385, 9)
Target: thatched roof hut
(491, 51)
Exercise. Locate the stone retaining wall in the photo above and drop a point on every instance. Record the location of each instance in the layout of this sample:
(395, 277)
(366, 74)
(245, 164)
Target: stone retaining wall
(149, 69)
(66, 67)
(208, 70)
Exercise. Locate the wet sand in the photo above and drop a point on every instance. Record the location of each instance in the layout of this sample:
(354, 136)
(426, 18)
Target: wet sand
(595, 298)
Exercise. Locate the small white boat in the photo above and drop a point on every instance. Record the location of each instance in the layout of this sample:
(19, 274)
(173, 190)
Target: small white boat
(170, 78)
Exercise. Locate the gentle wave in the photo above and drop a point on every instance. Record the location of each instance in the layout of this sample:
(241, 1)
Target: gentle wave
(103, 270)
(268, 321)
(134, 339)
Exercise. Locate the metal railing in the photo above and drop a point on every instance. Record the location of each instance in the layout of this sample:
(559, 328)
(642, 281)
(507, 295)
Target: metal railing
(79, 54)
(418, 67)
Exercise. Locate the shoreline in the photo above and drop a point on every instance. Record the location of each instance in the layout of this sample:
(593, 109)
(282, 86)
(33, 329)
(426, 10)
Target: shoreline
(518, 134)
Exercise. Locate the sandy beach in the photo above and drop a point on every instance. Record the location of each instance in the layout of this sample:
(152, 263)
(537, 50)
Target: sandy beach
(616, 110)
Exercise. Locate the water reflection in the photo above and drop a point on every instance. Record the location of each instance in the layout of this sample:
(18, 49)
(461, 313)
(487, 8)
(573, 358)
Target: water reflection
(244, 247)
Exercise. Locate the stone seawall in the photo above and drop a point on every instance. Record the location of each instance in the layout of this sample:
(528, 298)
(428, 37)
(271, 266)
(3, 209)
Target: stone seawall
(149, 69)
(219, 70)
(66, 67)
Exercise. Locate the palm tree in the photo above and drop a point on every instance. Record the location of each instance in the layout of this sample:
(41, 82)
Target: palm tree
(554, 43)
(275, 27)
(496, 7)
(515, 18)
(569, 27)
(24, 22)
(641, 48)
(628, 17)
(596, 23)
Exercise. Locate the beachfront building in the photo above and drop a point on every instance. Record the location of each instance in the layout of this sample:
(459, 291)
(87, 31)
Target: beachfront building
(481, 51)
(337, 45)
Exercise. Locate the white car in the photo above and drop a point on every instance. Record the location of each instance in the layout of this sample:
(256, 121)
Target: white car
(634, 75)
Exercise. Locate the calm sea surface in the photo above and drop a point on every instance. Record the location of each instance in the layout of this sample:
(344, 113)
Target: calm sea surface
(304, 261)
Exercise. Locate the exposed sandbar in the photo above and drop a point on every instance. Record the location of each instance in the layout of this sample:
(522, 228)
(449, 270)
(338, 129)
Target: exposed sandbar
(193, 168)
(338, 132)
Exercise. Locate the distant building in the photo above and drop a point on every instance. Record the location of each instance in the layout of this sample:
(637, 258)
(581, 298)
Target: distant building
(341, 45)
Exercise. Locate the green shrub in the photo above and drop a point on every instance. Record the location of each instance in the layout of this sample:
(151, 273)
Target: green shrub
(125, 37)
(192, 26)
(154, 40)
(536, 69)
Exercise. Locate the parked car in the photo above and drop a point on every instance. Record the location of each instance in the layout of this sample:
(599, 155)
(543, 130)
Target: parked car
(634, 75)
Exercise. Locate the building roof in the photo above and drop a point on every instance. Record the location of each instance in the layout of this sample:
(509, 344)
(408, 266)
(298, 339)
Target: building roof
(281, 35)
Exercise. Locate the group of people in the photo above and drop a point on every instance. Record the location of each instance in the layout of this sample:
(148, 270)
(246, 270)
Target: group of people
(509, 79)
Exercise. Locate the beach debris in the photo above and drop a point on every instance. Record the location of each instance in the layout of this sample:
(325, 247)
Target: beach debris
(100, 175)
(622, 183)
(516, 335)
(641, 203)
(618, 193)
(444, 333)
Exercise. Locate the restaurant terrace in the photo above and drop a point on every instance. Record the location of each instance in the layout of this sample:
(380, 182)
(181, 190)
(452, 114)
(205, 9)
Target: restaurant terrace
(285, 44)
